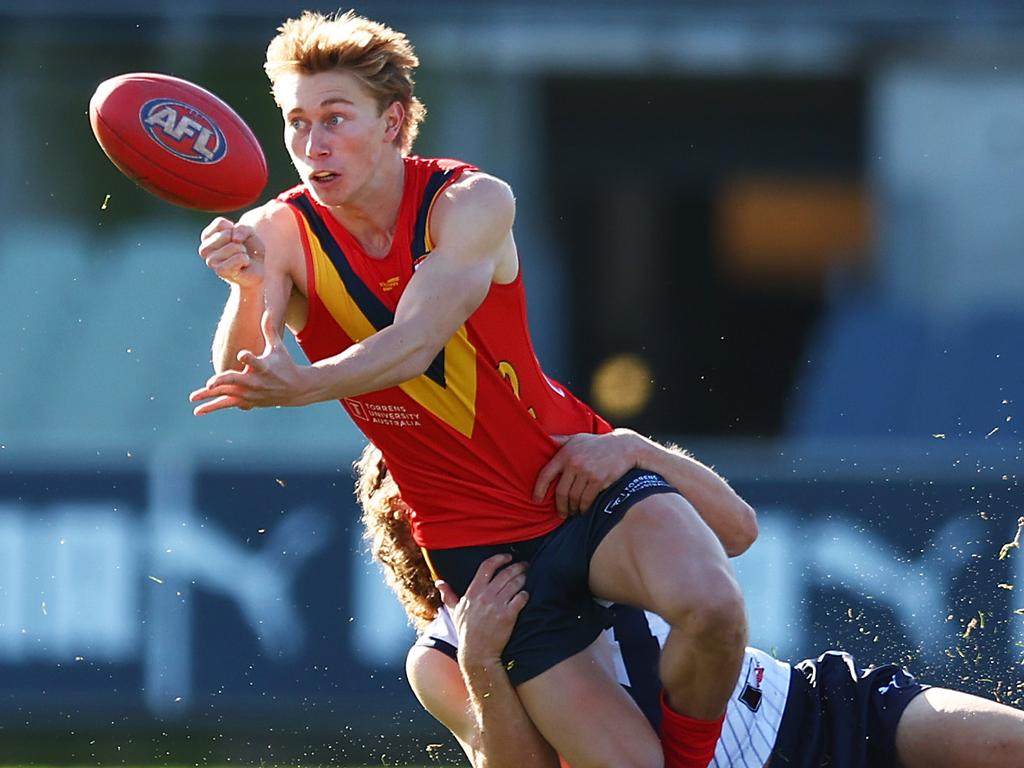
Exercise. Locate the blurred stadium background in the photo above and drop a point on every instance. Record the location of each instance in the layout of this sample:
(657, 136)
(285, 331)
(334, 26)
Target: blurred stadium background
(786, 235)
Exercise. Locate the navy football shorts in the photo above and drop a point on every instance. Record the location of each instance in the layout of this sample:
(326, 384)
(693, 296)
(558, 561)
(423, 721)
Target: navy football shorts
(561, 617)
(842, 717)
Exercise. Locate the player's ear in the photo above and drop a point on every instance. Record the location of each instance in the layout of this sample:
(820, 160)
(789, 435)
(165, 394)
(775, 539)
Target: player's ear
(394, 117)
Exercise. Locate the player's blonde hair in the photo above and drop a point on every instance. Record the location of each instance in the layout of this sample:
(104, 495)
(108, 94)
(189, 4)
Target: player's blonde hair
(389, 533)
(380, 57)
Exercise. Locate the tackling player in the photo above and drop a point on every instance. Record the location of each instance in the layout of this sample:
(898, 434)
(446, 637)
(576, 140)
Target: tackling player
(820, 712)
(400, 278)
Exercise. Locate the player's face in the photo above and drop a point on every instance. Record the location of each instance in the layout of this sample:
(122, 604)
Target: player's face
(335, 133)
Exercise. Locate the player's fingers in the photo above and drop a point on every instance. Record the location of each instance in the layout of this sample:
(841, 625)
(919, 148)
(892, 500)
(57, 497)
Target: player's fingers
(518, 601)
(487, 569)
(579, 485)
(241, 233)
(228, 264)
(448, 596)
(219, 404)
(214, 384)
(257, 363)
(241, 393)
(253, 246)
(214, 241)
(547, 474)
(217, 225)
(562, 493)
(590, 494)
(225, 378)
(511, 587)
(507, 574)
(197, 394)
(222, 257)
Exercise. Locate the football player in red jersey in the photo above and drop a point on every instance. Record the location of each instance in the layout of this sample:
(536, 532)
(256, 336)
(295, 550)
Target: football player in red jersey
(824, 711)
(400, 278)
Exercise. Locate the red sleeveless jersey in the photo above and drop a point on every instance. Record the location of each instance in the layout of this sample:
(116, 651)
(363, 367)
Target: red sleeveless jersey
(465, 440)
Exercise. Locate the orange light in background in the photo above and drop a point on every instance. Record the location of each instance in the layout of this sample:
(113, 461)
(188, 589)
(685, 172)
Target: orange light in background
(791, 230)
(622, 386)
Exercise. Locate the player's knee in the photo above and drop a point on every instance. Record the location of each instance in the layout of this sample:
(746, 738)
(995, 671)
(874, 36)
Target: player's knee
(714, 614)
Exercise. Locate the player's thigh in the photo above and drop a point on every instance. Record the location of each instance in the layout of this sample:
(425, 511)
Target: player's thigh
(660, 556)
(941, 728)
(585, 714)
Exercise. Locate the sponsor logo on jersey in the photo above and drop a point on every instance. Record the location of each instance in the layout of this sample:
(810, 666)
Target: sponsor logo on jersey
(387, 414)
(751, 695)
(183, 130)
(356, 409)
(389, 285)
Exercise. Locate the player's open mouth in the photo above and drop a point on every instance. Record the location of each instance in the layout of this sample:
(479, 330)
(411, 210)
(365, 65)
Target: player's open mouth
(322, 177)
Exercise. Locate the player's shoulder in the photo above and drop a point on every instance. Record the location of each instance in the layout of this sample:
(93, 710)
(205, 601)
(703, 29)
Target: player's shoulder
(433, 167)
(475, 199)
(479, 186)
(459, 183)
(272, 219)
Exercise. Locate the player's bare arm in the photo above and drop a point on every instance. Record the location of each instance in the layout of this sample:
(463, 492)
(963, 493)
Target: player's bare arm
(731, 518)
(474, 698)
(586, 464)
(260, 258)
(472, 228)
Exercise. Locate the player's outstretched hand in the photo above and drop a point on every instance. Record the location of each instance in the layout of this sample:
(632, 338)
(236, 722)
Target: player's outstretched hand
(585, 465)
(485, 615)
(234, 252)
(269, 379)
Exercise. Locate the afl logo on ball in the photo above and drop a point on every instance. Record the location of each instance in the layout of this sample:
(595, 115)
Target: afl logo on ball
(183, 131)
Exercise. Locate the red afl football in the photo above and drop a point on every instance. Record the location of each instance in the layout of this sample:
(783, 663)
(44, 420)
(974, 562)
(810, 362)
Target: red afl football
(178, 141)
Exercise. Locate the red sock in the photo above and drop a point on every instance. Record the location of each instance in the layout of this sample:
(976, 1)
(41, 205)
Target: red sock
(687, 743)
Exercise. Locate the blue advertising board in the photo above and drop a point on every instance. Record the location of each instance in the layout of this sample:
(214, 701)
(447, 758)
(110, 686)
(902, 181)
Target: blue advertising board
(192, 593)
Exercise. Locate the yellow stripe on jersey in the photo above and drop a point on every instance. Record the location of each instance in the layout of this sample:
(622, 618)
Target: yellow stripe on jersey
(427, 241)
(430, 563)
(454, 400)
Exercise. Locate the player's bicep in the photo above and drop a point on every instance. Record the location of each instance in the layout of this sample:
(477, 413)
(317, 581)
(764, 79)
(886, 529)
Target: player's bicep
(437, 682)
(443, 293)
(471, 226)
(476, 212)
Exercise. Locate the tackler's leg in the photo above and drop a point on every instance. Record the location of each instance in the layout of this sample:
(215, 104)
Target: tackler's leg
(581, 709)
(941, 728)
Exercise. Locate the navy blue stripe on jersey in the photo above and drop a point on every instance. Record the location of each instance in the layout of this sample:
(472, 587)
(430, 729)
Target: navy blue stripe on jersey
(372, 308)
(640, 653)
(419, 239)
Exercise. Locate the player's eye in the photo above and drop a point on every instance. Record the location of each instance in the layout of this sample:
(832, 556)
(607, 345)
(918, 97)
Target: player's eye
(296, 124)
(334, 121)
